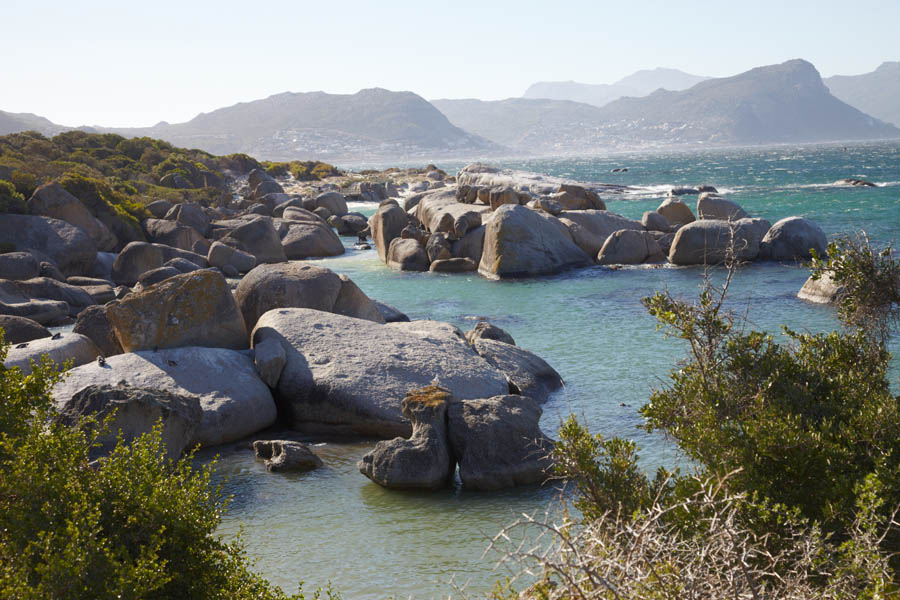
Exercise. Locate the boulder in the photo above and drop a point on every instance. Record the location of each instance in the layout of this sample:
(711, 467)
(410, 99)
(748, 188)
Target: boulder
(470, 245)
(190, 309)
(175, 181)
(221, 255)
(792, 239)
(386, 224)
(411, 232)
(502, 195)
(322, 213)
(46, 288)
(389, 313)
(548, 205)
(453, 265)
(498, 442)
(134, 260)
(711, 242)
(676, 212)
(19, 329)
(334, 382)
(159, 208)
(306, 240)
(171, 233)
(257, 176)
(527, 373)
(52, 200)
(260, 239)
(295, 202)
(73, 250)
(234, 406)
(137, 411)
(578, 196)
(664, 240)
(269, 358)
(424, 461)
(103, 265)
(50, 270)
(653, 221)
(333, 202)
(407, 255)
(591, 228)
(293, 213)
(629, 247)
(484, 330)
(14, 303)
(286, 455)
(299, 285)
(182, 265)
(259, 209)
(440, 211)
(711, 206)
(94, 324)
(520, 242)
(437, 248)
(154, 276)
(67, 347)
(821, 291)
(266, 187)
(16, 266)
(349, 224)
(190, 214)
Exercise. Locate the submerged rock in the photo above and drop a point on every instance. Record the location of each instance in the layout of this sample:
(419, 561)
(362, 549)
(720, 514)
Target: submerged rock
(286, 455)
(822, 290)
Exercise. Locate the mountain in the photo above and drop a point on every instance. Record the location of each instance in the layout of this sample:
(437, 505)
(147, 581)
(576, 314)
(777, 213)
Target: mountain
(876, 93)
(640, 83)
(16, 122)
(373, 123)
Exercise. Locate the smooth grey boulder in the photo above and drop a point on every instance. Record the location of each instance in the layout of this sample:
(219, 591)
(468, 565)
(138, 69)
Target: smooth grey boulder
(53, 200)
(154, 276)
(311, 240)
(20, 329)
(333, 202)
(711, 206)
(407, 254)
(137, 410)
(793, 238)
(333, 382)
(295, 202)
(527, 373)
(470, 245)
(93, 323)
(14, 303)
(134, 260)
(67, 347)
(16, 266)
(821, 291)
(70, 247)
(520, 242)
(501, 195)
(437, 247)
(45, 288)
(676, 212)
(221, 255)
(591, 228)
(159, 208)
(350, 224)
(300, 285)
(498, 442)
(386, 224)
(483, 330)
(269, 358)
(424, 461)
(171, 233)
(629, 247)
(712, 242)
(453, 265)
(188, 309)
(190, 214)
(234, 406)
(260, 239)
(548, 205)
(441, 212)
(389, 313)
(653, 221)
(577, 197)
(286, 455)
(294, 213)
(182, 265)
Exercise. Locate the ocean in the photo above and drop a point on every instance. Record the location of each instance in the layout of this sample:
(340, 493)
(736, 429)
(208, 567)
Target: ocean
(333, 524)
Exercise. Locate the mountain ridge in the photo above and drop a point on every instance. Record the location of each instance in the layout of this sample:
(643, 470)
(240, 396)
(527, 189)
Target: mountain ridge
(639, 83)
(876, 93)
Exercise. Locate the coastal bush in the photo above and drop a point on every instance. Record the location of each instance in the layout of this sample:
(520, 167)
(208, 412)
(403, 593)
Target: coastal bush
(312, 170)
(11, 201)
(130, 525)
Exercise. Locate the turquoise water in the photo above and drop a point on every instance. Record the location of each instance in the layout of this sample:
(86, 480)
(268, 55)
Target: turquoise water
(333, 524)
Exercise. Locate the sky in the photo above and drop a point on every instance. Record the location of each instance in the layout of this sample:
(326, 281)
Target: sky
(137, 63)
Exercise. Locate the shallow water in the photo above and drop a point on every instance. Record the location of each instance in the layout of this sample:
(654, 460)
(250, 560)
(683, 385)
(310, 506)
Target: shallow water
(333, 524)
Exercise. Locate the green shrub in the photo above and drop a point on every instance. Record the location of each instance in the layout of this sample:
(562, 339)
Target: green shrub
(11, 201)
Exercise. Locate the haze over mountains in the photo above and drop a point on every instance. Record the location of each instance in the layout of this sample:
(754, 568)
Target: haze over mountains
(640, 83)
(773, 104)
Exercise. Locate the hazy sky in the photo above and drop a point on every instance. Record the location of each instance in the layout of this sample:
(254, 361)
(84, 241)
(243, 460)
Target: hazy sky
(135, 63)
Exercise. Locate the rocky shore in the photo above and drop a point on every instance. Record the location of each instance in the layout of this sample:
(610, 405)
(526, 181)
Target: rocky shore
(216, 326)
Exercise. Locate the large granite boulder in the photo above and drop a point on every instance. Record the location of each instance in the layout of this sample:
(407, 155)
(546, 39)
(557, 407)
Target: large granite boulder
(653, 221)
(309, 240)
(484, 330)
(407, 254)
(576, 197)
(137, 258)
(52, 200)
(520, 242)
(46, 288)
(70, 247)
(498, 442)
(675, 211)
(386, 224)
(16, 266)
(298, 285)
(137, 411)
(527, 373)
(19, 329)
(470, 245)
(629, 247)
(711, 206)
(221, 256)
(93, 323)
(333, 202)
(269, 357)
(423, 461)
(335, 382)
(65, 347)
(260, 239)
(823, 290)
(235, 401)
(14, 303)
(191, 215)
(171, 233)
(190, 309)
(591, 228)
(711, 242)
(441, 212)
(286, 455)
(792, 239)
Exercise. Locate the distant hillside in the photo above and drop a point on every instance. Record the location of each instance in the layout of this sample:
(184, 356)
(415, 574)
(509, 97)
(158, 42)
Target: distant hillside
(876, 93)
(640, 83)
(16, 122)
(370, 124)
(778, 103)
